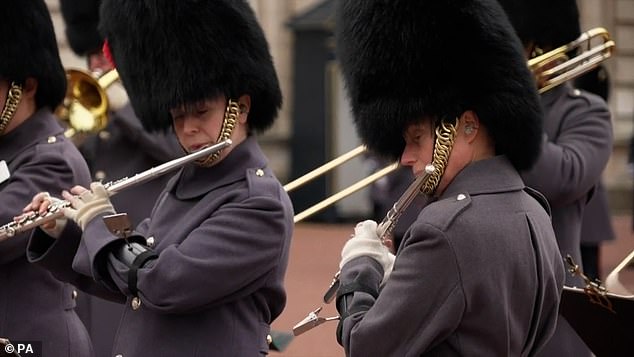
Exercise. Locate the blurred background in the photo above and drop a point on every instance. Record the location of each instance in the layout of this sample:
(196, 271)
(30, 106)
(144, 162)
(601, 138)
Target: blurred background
(315, 126)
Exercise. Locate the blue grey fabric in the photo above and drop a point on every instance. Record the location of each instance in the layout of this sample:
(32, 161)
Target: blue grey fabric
(222, 236)
(477, 274)
(34, 305)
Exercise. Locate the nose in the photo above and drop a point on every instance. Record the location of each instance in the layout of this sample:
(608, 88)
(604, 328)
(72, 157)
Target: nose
(190, 125)
(408, 158)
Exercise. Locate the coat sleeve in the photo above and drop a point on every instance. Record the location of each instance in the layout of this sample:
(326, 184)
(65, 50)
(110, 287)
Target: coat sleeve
(39, 170)
(414, 301)
(229, 256)
(56, 255)
(573, 159)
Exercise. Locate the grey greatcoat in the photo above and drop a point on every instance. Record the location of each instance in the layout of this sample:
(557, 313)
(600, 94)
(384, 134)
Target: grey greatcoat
(576, 148)
(222, 235)
(477, 274)
(34, 306)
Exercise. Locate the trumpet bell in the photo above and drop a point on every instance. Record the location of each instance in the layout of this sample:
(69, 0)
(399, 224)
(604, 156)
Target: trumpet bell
(85, 107)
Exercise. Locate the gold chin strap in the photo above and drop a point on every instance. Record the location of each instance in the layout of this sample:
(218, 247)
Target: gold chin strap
(13, 99)
(231, 117)
(445, 138)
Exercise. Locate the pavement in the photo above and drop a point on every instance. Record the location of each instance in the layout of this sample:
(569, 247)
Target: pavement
(314, 259)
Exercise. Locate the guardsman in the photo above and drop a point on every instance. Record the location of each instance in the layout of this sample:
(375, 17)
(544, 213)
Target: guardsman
(34, 156)
(479, 272)
(576, 146)
(212, 283)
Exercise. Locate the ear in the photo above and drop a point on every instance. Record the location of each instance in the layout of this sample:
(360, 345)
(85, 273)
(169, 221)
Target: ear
(244, 102)
(469, 125)
(29, 88)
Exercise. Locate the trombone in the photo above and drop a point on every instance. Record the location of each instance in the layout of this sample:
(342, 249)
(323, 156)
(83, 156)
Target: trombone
(85, 107)
(556, 66)
(551, 69)
(330, 165)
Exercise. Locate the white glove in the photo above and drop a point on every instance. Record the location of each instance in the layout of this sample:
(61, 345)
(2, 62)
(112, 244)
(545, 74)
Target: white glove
(88, 204)
(366, 242)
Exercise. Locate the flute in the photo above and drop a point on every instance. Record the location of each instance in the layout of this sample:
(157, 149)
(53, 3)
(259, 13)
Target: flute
(55, 210)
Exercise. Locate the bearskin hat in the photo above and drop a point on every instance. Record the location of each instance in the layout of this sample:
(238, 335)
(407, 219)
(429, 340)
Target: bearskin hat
(29, 50)
(403, 60)
(547, 23)
(81, 19)
(171, 53)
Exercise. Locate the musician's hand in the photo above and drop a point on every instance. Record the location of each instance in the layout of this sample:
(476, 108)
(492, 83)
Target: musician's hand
(366, 242)
(39, 205)
(87, 204)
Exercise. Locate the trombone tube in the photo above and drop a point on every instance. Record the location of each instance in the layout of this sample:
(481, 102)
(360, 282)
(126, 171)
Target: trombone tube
(345, 192)
(324, 168)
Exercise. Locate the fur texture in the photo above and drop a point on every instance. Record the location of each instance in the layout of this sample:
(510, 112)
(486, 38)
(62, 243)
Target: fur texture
(403, 60)
(548, 23)
(171, 53)
(28, 48)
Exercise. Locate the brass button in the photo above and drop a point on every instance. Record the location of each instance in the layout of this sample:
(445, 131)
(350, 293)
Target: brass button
(136, 303)
(150, 242)
(104, 135)
(100, 175)
(51, 139)
(461, 197)
(74, 294)
(576, 92)
(259, 172)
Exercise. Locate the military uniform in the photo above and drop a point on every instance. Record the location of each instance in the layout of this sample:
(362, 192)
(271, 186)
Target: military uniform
(34, 305)
(479, 271)
(576, 148)
(222, 236)
(475, 263)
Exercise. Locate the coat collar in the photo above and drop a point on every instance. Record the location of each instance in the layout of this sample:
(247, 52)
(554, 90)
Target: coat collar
(492, 175)
(195, 181)
(35, 130)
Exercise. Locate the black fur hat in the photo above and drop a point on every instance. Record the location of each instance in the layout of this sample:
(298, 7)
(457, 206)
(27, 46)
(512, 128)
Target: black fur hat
(28, 48)
(169, 53)
(547, 23)
(406, 59)
(81, 18)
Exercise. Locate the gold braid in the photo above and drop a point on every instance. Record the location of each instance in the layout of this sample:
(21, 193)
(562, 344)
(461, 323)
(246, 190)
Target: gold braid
(229, 122)
(13, 99)
(445, 138)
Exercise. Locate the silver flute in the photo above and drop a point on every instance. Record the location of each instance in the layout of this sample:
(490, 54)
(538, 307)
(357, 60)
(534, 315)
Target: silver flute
(55, 210)
(383, 231)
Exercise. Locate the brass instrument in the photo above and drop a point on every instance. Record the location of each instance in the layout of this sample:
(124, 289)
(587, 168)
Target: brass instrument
(55, 210)
(551, 69)
(85, 106)
(384, 229)
(341, 194)
(556, 67)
